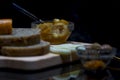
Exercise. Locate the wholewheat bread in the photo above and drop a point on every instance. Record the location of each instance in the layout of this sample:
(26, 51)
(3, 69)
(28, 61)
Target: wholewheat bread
(34, 50)
(21, 37)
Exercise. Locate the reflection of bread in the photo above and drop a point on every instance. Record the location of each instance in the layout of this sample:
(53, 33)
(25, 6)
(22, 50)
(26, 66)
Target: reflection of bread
(33, 50)
(5, 26)
(21, 37)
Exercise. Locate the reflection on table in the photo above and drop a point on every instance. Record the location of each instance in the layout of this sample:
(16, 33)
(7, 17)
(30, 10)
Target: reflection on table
(67, 72)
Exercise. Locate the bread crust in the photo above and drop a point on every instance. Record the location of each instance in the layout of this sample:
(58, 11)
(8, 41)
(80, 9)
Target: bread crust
(34, 50)
(21, 37)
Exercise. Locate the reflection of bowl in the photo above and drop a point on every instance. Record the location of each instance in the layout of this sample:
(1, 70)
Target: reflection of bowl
(54, 32)
(94, 59)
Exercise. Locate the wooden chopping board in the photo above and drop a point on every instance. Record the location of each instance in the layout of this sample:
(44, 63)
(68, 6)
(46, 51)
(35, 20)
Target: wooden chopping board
(30, 63)
(34, 62)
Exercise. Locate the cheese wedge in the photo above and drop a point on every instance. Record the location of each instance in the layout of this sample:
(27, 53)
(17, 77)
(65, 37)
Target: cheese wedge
(5, 26)
(67, 51)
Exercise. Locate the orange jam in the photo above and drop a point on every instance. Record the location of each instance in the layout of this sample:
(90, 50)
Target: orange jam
(56, 31)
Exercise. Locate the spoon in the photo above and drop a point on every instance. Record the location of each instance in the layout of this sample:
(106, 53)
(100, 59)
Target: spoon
(22, 10)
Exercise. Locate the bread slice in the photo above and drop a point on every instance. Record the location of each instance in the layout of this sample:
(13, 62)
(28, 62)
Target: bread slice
(39, 49)
(21, 37)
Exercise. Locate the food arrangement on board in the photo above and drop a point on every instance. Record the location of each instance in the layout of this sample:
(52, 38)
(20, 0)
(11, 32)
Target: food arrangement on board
(48, 40)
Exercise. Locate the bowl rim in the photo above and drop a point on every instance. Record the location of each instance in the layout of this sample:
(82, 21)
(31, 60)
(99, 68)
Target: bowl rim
(94, 56)
(34, 23)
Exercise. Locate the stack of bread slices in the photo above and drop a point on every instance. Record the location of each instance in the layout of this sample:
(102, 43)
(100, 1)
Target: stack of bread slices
(21, 41)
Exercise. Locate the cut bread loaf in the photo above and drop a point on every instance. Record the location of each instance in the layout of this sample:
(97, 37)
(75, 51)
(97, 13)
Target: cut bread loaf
(5, 26)
(39, 49)
(21, 37)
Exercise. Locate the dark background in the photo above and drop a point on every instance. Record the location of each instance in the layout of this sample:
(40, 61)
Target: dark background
(95, 21)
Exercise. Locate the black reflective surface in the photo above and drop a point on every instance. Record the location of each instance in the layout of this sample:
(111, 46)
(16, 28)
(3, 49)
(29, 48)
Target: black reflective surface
(71, 71)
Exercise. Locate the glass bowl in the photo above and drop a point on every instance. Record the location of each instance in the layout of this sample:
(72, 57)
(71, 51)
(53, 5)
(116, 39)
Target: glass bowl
(55, 32)
(95, 58)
